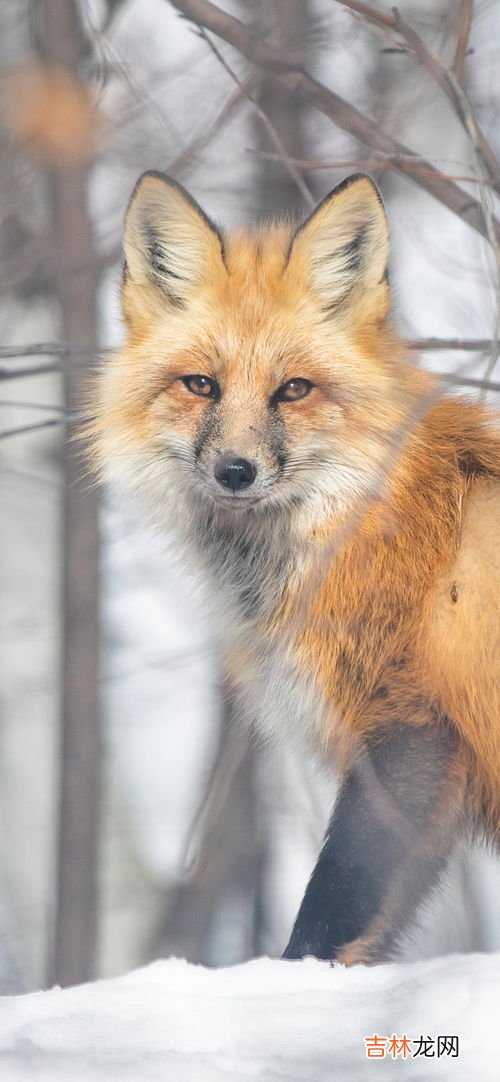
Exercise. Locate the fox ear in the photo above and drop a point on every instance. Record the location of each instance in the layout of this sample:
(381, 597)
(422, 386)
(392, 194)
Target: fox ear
(168, 241)
(342, 249)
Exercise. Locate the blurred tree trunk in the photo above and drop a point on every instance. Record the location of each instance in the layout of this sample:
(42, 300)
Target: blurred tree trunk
(213, 917)
(63, 44)
(288, 23)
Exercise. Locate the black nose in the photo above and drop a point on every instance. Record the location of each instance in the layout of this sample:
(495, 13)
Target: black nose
(234, 473)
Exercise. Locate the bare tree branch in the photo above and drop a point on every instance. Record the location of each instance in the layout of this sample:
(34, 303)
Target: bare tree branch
(380, 18)
(52, 422)
(23, 429)
(63, 42)
(113, 7)
(379, 163)
(201, 141)
(269, 126)
(469, 381)
(341, 112)
(50, 349)
(49, 407)
(34, 370)
(464, 28)
(436, 70)
(474, 135)
(461, 345)
(70, 355)
(455, 94)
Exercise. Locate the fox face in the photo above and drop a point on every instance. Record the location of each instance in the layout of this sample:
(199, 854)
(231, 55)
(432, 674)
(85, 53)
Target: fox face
(259, 373)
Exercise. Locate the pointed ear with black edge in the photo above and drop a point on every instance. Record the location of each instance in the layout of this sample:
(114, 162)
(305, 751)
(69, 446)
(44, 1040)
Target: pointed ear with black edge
(340, 252)
(169, 243)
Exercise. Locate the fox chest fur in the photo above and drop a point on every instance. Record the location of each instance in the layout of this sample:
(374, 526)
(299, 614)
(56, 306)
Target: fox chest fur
(321, 637)
(329, 639)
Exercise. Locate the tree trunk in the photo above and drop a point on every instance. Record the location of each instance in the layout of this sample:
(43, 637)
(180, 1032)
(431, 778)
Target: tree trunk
(278, 193)
(75, 937)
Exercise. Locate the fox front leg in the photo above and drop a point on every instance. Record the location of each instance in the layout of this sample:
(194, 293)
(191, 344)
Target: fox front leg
(395, 822)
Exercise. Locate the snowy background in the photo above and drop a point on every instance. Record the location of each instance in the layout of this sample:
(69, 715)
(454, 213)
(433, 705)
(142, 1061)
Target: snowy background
(224, 889)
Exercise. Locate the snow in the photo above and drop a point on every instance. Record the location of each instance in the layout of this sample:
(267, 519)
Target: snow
(270, 1020)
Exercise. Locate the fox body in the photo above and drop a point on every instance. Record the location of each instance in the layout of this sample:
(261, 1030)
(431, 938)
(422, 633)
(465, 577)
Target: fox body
(344, 517)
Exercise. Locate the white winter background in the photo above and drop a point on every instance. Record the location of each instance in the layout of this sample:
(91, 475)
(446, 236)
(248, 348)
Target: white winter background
(263, 1019)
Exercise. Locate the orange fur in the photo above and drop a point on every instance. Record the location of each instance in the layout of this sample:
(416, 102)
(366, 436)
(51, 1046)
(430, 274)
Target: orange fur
(410, 607)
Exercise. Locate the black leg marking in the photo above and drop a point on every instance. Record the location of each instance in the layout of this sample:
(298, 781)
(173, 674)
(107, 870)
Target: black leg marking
(388, 838)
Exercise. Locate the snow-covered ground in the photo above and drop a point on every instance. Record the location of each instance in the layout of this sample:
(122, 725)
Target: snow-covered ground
(269, 1020)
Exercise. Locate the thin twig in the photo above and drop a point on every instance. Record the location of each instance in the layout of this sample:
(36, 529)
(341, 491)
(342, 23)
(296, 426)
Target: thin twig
(282, 155)
(484, 157)
(436, 70)
(23, 429)
(379, 163)
(7, 403)
(469, 381)
(454, 92)
(69, 353)
(461, 345)
(33, 370)
(342, 113)
(474, 135)
(380, 18)
(200, 141)
(53, 422)
(464, 29)
(51, 349)
(108, 50)
(207, 812)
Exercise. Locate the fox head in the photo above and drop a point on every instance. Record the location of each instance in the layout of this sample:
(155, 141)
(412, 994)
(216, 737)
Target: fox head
(259, 370)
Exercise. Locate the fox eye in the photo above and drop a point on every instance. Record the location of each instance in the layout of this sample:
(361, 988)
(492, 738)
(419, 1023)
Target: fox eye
(294, 390)
(201, 385)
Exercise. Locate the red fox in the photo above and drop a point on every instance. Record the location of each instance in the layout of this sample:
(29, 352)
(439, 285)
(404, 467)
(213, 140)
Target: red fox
(344, 516)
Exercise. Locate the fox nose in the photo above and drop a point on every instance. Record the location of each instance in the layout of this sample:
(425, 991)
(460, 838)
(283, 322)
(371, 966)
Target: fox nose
(234, 473)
